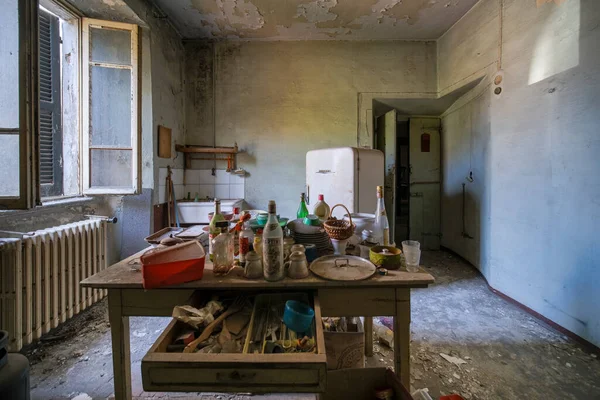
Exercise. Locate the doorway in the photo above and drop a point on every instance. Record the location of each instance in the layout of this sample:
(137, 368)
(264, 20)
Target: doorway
(402, 201)
(411, 146)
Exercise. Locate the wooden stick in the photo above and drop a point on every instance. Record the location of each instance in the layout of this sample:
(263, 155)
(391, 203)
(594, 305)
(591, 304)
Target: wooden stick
(234, 308)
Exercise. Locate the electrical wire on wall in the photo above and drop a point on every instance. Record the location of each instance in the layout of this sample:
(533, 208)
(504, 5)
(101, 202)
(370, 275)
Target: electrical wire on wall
(470, 177)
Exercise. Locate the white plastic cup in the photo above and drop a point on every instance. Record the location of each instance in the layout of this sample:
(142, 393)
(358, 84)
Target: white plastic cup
(412, 254)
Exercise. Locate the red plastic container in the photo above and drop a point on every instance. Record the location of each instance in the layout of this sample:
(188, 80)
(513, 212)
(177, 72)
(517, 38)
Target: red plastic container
(172, 265)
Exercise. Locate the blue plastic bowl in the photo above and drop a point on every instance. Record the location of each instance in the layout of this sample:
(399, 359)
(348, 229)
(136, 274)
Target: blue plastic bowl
(298, 316)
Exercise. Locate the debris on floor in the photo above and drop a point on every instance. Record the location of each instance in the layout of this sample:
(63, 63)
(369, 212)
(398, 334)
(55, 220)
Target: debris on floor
(502, 352)
(454, 360)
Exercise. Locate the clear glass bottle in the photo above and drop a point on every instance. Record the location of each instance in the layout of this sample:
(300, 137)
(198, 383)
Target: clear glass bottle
(381, 228)
(273, 267)
(321, 209)
(213, 231)
(302, 210)
(246, 238)
(222, 246)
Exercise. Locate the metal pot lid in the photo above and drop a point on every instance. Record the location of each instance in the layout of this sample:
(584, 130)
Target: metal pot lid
(343, 268)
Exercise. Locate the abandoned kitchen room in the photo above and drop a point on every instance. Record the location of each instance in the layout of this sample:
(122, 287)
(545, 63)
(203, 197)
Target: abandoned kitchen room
(300, 199)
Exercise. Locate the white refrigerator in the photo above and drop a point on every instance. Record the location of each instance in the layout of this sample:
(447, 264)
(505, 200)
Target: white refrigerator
(346, 175)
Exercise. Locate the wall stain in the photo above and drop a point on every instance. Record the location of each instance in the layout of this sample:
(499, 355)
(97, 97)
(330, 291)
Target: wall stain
(409, 10)
(347, 13)
(540, 3)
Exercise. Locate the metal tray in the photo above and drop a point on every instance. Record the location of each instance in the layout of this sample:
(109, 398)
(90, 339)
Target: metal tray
(164, 233)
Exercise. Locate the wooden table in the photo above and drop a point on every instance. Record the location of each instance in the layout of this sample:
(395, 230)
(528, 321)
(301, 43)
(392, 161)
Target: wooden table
(378, 296)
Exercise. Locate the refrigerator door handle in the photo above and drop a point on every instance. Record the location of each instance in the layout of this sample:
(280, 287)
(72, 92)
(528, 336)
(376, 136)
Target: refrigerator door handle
(307, 194)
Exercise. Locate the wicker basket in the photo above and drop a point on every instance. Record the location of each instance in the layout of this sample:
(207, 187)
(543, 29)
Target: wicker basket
(339, 229)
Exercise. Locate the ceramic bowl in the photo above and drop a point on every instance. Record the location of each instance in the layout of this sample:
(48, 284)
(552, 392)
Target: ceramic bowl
(362, 221)
(386, 256)
(312, 220)
(263, 217)
(298, 316)
(298, 226)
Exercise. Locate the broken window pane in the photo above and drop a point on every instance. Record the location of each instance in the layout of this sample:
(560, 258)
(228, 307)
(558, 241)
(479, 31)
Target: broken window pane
(111, 168)
(110, 46)
(9, 167)
(110, 106)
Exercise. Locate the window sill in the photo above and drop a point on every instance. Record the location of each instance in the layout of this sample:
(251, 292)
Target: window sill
(52, 203)
(66, 201)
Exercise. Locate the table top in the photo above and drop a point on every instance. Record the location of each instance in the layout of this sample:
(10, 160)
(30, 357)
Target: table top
(123, 275)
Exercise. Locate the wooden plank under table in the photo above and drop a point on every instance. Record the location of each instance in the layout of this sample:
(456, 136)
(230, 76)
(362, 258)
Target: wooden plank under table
(377, 296)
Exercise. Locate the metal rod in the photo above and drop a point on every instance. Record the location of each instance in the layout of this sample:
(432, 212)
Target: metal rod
(22, 234)
(110, 220)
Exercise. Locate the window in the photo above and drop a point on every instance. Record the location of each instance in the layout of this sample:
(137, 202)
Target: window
(18, 104)
(110, 122)
(52, 141)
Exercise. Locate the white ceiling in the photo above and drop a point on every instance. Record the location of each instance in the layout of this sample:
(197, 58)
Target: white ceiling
(314, 19)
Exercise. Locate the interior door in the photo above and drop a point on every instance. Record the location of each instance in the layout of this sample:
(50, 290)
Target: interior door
(425, 171)
(386, 142)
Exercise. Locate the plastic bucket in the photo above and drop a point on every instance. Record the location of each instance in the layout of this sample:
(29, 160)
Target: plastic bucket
(412, 254)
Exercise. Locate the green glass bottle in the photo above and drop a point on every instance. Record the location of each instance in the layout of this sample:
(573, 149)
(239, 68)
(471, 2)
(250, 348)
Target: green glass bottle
(302, 210)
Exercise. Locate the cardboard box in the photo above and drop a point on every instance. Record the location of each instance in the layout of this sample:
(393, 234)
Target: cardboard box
(345, 349)
(361, 383)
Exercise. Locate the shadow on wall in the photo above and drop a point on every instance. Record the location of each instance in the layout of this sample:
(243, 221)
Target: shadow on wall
(533, 152)
(466, 150)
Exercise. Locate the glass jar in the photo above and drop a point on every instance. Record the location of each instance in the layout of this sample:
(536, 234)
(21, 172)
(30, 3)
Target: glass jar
(223, 249)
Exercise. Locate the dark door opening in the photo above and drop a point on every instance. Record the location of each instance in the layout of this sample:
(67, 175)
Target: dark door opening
(402, 181)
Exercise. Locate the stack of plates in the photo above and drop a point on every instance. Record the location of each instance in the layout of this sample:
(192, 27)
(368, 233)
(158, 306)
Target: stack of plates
(306, 234)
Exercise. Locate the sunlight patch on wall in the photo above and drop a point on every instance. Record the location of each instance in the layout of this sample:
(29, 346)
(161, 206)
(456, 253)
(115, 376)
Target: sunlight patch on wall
(557, 45)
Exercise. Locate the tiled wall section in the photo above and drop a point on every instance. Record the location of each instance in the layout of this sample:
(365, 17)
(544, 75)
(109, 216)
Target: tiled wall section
(222, 185)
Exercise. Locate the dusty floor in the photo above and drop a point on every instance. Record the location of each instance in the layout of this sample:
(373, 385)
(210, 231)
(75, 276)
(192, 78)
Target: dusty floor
(507, 353)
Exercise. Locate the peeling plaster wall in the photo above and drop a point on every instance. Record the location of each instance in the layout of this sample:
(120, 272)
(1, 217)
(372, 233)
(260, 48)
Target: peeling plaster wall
(278, 100)
(533, 207)
(166, 77)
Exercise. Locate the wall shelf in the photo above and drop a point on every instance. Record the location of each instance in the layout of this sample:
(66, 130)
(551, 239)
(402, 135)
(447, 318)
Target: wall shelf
(191, 152)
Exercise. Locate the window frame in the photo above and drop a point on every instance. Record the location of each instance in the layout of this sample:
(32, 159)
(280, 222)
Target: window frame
(86, 148)
(29, 190)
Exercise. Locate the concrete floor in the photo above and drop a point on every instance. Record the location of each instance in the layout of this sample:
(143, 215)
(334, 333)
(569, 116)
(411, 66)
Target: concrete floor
(507, 353)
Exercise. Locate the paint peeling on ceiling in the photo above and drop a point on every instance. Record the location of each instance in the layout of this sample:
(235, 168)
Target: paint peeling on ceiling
(542, 2)
(314, 19)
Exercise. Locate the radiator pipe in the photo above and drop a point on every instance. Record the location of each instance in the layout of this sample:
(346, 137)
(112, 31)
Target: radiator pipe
(110, 220)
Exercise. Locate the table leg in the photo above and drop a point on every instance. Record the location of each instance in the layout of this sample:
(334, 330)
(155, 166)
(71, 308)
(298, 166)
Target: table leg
(369, 336)
(119, 332)
(402, 336)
